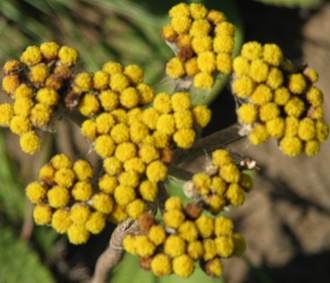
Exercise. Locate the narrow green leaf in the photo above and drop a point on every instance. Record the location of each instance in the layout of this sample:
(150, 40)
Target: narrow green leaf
(199, 276)
(12, 196)
(128, 270)
(294, 3)
(18, 263)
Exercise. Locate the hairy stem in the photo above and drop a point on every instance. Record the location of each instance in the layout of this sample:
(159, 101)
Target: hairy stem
(114, 252)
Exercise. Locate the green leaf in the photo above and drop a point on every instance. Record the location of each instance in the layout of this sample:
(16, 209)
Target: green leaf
(18, 263)
(12, 198)
(294, 3)
(199, 276)
(128, 270)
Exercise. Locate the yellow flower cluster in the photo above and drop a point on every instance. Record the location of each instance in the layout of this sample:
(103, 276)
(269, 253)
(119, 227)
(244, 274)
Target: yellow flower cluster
(278, 100)
(64, 198)
(224, 185)
(35, 82)
(136, 144)
(167, 248)
(204, 42)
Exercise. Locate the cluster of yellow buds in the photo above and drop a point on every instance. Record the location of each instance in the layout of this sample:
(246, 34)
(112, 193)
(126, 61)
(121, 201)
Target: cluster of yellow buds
(278, 100)
(224, 183)
(134, 142)
(64, 198)
(35, 83)
(186, 237)
(203, 42)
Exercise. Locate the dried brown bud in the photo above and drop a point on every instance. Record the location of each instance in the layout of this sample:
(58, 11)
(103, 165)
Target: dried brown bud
(54, 82)
(145, 262)
(62, 71)
(167, 155)
(185, 53)
(193, 210)
(71, 100)
(146, 220)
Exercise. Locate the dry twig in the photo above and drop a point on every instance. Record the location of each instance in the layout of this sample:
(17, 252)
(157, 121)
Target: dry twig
(114, 252)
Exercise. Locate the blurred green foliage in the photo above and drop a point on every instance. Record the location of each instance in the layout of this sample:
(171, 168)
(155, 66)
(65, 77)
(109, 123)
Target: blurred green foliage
(294, 3)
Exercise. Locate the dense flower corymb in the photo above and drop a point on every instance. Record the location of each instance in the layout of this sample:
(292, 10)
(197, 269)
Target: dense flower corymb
(278, 100)
(204, 42)
(35, 83)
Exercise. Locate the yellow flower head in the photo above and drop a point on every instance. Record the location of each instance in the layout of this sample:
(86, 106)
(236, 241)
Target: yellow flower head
(35, 192)
(297, 83)
(6, 114)
(108, 184)
(243, 87)
(124, 195)
(175, 68)
(146, 93)
(148, 190)
(109, 100)
(58, 197)
(195, 250)
(258, 135)
(64, 177)
(161, 265)
(83, 170)
(247, 113)
(129, 97)
(205, 225)
(61, 220)
(174, 246)
(125, 151)
(188, 231)
(157, 234)
(78, 234)
(291, 146)
(156, 171)
(252, 50)
(183, 266)
(135, 208)
(41, 115)
(31, 55)
(83, 82)
(89, 105)
(118, 82)
(102, 203)
(49, 50)
(104, 122)
(95, 223)
(184, 138)
(79, 213)
(82, 191)
(68, 56)
(206, 61)
(47, 96)
(203, 80)
(135, 73)
(173, 218)
(100, 80)
(112, 67)
(224, 246)
(88, 129)
(104, 146)
(112, 166)
(202, 115)
(42, 214)
(30, 142)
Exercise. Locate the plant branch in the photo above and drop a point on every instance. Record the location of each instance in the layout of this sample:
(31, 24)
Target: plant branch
(216, 140)
(114, 252)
